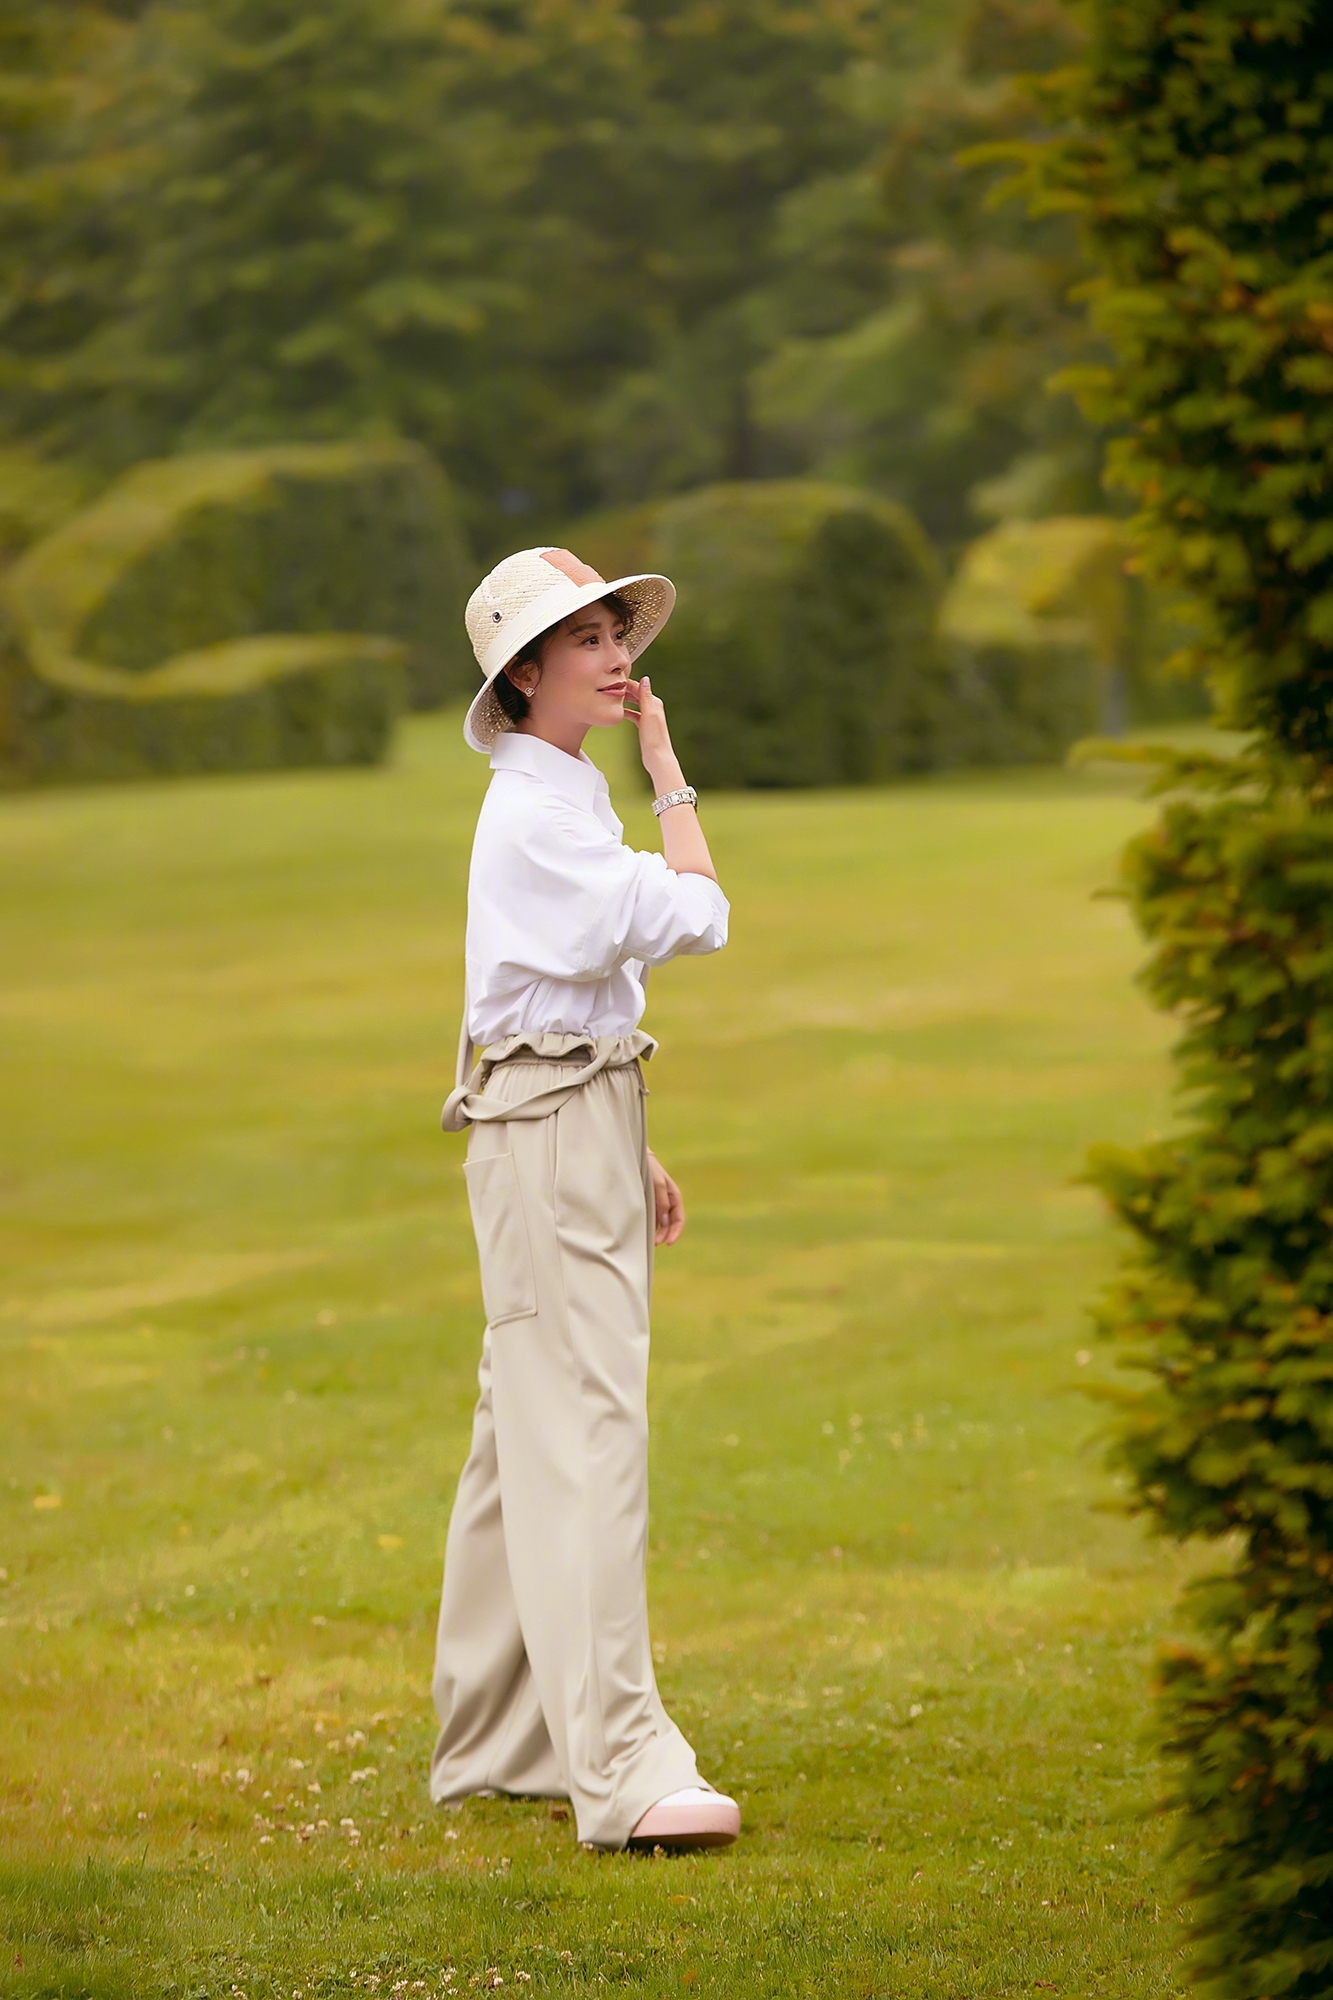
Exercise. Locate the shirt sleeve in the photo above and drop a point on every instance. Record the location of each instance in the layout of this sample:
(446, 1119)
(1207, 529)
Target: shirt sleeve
(652, 914)
(590, 904)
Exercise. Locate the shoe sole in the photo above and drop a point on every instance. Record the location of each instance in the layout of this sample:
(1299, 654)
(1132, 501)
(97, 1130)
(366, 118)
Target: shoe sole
(678, 1842)
(686, 1826)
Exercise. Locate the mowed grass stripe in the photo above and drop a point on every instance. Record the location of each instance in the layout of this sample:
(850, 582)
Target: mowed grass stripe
(890, 1602)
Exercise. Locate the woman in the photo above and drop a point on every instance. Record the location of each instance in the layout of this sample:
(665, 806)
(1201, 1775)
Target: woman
(544, 1678)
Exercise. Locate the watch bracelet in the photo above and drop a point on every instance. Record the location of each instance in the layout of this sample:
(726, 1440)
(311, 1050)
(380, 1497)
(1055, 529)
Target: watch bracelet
(685, 796)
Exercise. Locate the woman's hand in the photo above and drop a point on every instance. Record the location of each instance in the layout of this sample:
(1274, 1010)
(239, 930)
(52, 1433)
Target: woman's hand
(649, 717)
(683, 841)
(668, 1207)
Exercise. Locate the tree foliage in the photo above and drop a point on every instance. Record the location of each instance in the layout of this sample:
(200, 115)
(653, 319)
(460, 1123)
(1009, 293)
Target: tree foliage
(931, 381)
(66, 165)
(1201, 161)
(587, 251)
(315, 264)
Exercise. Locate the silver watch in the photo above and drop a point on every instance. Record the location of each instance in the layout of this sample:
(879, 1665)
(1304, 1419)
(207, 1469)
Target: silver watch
(688, 797)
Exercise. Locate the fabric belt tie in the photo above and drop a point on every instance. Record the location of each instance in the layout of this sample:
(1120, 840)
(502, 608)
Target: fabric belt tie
(467, 1104)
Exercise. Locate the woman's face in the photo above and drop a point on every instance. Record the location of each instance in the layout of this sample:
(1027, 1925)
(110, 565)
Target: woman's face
(584, 674)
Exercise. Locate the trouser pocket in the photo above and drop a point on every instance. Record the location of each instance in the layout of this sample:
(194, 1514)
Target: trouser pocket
(508, 1286)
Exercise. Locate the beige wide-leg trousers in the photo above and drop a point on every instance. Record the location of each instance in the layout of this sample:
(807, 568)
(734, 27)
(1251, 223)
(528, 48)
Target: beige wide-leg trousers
(544, 1679)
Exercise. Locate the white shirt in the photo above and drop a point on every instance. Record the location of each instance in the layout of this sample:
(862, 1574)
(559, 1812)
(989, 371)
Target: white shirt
(563, 919)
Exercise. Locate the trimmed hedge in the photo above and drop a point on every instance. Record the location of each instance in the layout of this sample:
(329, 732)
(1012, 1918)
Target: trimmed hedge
(812, 644)
(1033, 628)
(36, 496)
(800, 652)
(187, 552)
(1049, 633)
(247, 705)
(338, 568)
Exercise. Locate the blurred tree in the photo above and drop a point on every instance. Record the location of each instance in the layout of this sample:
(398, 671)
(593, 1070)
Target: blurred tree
(65, 168)
(933, 388)
(316, 263)
(661, 137)
(586, 250)
(522, 232)
(735, 110)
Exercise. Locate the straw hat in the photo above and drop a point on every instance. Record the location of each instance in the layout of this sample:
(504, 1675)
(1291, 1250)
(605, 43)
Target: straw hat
(535, 589)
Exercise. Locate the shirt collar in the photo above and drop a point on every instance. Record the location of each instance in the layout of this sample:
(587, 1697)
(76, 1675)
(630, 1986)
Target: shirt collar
(575, 779)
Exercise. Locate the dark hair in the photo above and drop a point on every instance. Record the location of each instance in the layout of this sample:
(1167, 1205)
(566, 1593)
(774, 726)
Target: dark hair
(513, 700)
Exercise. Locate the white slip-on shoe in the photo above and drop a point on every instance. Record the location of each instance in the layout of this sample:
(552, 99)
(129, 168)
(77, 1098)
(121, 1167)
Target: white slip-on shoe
(695, 1817)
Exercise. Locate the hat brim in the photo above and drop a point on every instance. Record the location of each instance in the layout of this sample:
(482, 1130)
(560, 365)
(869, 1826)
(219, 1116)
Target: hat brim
(652, 597)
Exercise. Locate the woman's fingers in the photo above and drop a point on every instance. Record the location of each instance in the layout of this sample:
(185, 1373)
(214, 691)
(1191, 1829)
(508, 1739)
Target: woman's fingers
(668, 1208)
(648, 716)
(670, 1212)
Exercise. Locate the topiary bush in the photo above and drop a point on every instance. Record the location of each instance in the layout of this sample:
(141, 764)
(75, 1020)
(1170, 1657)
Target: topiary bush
(1033, 627)
(1048, 634)
(811, 644)
(186, 552)
(801, 649)
(159, 629)
(1201, 157)
(248, 705)
(36, 495)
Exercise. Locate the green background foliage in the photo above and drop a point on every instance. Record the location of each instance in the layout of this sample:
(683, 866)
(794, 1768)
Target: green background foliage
(1051, 634)
(800, 652)
(585, 253)
(251, 705)
(815, 642)
(1034, 630)
(589, 256)
(157, 631)
(314, 266)
(1203, 169)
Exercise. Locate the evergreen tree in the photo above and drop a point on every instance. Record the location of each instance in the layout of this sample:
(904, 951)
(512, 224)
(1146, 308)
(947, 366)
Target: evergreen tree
(663, 140)
(1202, 162)
(585, 250)
(313, 261)
(65, 249)
(931, 384)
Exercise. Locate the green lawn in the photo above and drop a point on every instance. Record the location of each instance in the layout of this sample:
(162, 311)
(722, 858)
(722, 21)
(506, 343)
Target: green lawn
(891, 1604)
